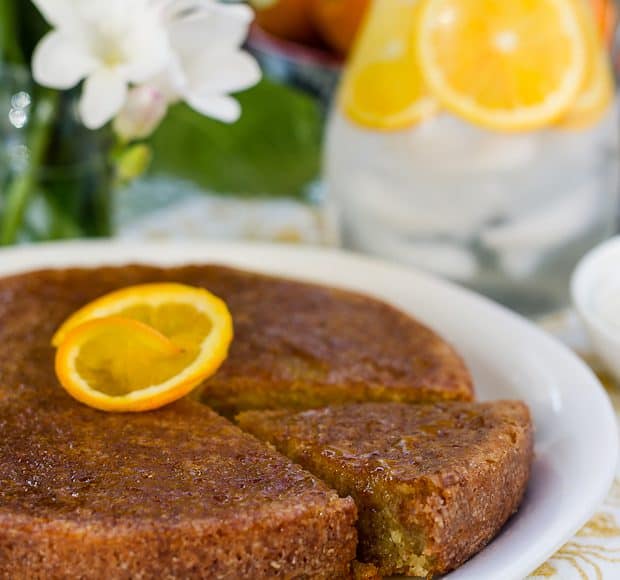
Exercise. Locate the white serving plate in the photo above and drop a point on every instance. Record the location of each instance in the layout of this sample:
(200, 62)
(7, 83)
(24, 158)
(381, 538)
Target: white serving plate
(576, 435)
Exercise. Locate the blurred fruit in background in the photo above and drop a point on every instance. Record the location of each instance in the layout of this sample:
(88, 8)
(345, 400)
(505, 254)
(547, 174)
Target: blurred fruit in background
(605, 15)
(330, 23)
(597, 88)
(287, 19)
(337, 21)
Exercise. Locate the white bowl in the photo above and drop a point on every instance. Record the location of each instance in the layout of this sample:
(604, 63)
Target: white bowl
(597, 269)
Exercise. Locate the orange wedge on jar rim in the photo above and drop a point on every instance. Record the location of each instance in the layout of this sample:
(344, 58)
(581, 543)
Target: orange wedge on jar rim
(142, 347)
(382, 87)
(595, 98)
(605, 18)
(504, 65)
(597, 90)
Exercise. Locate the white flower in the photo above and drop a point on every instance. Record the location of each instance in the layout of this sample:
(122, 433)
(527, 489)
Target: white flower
(180, 49)
(110, 43)
(144, 109)
(208, 63)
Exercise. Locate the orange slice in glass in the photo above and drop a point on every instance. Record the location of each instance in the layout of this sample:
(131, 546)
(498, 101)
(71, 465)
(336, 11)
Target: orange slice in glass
(605, 17)
(382, 87)
(507, 65)
(597, 89)
(594, 99)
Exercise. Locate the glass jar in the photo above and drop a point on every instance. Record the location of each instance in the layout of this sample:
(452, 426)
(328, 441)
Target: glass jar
(507, 213)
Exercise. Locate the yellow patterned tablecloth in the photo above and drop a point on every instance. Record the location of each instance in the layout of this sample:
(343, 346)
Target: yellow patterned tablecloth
(594, 552)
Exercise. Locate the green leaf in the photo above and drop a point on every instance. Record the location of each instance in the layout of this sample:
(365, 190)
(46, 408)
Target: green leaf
(274, 149)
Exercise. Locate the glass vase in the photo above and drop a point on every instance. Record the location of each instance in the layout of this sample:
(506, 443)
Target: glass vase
(56, 180)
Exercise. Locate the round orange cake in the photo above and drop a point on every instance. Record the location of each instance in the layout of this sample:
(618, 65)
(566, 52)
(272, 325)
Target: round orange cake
(181, 492)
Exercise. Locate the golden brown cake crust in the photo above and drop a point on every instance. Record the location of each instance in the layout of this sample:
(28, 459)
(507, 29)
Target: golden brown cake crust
(175, 493)
(453, 472)
(296, 345)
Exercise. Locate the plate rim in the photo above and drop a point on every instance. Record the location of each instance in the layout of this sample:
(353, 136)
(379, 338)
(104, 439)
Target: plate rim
(114, 252)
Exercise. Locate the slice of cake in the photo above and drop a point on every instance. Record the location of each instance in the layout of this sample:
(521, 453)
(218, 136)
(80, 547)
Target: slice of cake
(433, 483)
(296, 345)
(176, 493)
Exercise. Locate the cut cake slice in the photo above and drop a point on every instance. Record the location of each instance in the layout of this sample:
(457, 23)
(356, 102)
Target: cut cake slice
(433, 483)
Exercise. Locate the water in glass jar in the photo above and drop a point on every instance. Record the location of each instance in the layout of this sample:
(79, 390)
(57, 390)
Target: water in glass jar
(506, 212)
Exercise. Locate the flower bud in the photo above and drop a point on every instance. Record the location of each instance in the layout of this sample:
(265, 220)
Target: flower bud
(142, 113)
(133, 162)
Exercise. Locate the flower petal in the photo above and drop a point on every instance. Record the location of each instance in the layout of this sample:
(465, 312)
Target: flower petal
(56, 12)
(59, 62)
(130, 34)
(113, 13)
(224, 109)
(145, 44)
(103, 96)
(213, 27)
(241, 12)
(170, 83)
(216, 72)
(171, 9)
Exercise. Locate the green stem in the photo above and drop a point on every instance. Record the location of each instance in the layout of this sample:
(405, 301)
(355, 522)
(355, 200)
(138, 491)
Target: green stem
(10, 50)
(19, 192)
